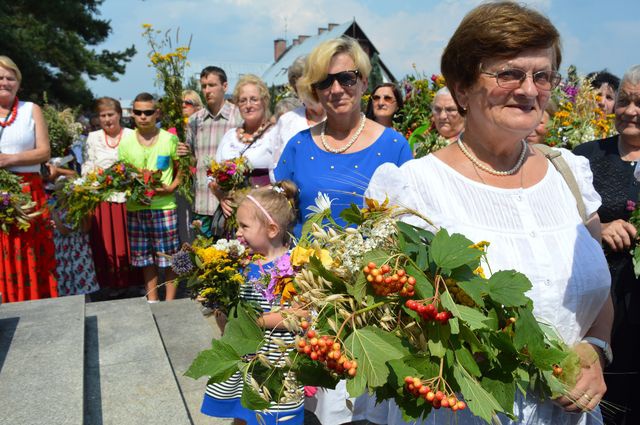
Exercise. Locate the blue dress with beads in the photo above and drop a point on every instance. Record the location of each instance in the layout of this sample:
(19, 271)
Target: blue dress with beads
(343, 177)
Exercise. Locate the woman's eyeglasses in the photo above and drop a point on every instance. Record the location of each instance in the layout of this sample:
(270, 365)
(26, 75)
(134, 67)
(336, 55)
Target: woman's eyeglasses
(386, 98)
(147, 112)
(188, 103)
(514, 77)
(248, 101)
(344, 78)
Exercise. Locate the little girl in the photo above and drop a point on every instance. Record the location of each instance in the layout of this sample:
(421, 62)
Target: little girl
(265, 219)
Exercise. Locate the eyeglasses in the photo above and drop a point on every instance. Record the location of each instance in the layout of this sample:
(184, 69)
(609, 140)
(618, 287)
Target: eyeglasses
(386, 98)
(147, 112)
(514, 77)
(248, 100)
(436, 110)
(188, 103)
(344, 78)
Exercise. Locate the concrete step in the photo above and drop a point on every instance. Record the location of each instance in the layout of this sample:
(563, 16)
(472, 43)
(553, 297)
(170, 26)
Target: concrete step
(185, 332)
(128, 377)
(41, 361)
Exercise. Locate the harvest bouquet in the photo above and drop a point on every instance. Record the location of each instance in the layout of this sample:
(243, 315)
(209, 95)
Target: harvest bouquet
(213, 272)
(80, 196)
(230, 175)
(579, 119)
(404, 313)
(16, 206)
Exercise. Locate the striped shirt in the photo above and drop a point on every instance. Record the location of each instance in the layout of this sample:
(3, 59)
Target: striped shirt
(204, 133)
(232, 387)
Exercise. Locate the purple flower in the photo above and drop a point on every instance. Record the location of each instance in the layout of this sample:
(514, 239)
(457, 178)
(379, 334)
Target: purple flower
(631, 205)
(571, 92)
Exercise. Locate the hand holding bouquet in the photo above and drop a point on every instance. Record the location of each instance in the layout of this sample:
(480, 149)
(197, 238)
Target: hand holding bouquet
(231, 174)
(16, 206)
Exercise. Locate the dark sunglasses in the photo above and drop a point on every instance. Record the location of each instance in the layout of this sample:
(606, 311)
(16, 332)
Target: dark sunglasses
(514, 77)
(188, 103)
(386, 98)
(147, 112)
(344, 78)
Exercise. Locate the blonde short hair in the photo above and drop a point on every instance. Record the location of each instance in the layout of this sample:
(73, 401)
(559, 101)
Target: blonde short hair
(193, 96)
(262, 89)
(319, 59)
(7, 63)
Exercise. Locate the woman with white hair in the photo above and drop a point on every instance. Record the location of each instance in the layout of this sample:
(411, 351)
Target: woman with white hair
(613, 161)
(445, 115)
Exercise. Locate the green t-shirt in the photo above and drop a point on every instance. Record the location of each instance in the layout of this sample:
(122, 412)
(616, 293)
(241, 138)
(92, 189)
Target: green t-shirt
(158, 156)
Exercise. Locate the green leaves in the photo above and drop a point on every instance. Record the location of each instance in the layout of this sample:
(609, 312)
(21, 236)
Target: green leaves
(473, 318)
(220, 363)
(451, 252)
(508, 287)
(251, 399)
(479, 400)
(373, 347)
(243, 333)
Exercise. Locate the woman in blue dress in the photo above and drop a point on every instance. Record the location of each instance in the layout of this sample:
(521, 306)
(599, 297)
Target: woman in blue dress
(338, 157)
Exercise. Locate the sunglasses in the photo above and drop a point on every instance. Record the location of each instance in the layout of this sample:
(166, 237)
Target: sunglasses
(344, 78)
(147, 112)
(513, 78)
(188, 103)
(386, 98)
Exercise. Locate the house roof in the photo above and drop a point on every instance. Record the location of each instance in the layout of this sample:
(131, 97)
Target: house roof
(276, 74)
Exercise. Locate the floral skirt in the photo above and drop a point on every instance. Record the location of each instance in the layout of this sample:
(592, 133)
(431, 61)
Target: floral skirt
(110, 246)
(27, 262)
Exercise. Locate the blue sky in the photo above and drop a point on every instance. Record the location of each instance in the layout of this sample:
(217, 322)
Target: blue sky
(238, 33)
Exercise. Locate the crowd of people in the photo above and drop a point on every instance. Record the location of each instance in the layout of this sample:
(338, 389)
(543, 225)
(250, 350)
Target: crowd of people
(561, 219)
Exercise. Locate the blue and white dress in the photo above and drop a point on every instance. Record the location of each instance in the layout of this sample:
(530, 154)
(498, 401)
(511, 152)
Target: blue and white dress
(222, 400)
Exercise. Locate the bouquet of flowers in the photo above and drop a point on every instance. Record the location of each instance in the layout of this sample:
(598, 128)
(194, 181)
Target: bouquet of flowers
(419, 91)
(16, 206)
(404, 313)
(579, 119)
(230, 175)
(170, 69)
(213, 272)
(80, 196)
(62, 126)
(276, 283)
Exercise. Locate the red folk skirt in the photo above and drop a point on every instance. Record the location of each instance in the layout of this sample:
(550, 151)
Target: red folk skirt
(28, 261)
(110, 245)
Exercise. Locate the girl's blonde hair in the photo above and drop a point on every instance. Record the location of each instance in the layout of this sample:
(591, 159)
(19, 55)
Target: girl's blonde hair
(279, 201)
(318, 61)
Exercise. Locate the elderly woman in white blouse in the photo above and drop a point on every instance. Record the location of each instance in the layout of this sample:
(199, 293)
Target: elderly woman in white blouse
(501, 66)
(108, 235)
(253, 140)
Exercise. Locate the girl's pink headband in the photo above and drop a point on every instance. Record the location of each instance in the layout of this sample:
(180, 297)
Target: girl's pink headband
(264, 211)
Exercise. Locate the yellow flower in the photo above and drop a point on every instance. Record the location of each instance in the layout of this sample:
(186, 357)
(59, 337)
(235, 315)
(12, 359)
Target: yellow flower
(146, 26)
(300, 256)
(482, 245)
(479, 272)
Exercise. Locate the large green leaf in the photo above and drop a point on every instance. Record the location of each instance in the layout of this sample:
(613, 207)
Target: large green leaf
(251, 399)
(219, 363)
(466, 360)
(480, 402)
(400, 370)
(475, 287)
(243, 333)
(473, 318)
(423, 287)
(312, 373)
(508, 288)
(357, 385)
(503, 389)
(373, 347)
(527, 331)
(352, 215)
(545, 357)
(316, 267)
(425, 365)
(450, 252)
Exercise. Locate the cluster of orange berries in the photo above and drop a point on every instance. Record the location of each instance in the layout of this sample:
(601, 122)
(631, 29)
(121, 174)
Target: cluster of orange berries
(429, 311)
(326, 350)
(437, 398)
(384, 282)
(557, 370)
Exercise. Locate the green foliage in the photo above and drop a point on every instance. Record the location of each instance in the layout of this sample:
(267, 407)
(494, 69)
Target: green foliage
(53, 44)
(62, 126)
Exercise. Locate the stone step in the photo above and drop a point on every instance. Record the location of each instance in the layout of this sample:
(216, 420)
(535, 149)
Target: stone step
(185, 332)
(41, 361)
(128, 377)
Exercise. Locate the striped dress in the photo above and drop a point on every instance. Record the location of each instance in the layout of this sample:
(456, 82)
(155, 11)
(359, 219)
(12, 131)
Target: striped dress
(223, 399)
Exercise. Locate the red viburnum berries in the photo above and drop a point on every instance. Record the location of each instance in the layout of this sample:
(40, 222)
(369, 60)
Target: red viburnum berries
(429, 311)
(325, 349)
(436, 398)
(386, 281)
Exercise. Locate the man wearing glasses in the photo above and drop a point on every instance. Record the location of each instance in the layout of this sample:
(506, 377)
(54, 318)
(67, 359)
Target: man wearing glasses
(152, 228)
(204, 132)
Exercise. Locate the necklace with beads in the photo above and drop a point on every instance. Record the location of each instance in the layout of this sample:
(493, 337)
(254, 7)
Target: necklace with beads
(242, 135)
(475, 161)
(326, 145)
(13, 114)
(106, 139)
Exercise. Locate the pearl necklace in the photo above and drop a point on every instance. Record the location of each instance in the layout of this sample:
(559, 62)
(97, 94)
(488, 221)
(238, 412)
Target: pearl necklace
(475, 161)
(348, 145)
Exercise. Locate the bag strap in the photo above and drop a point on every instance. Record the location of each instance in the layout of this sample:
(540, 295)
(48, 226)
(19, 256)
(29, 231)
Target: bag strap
(563, 168)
